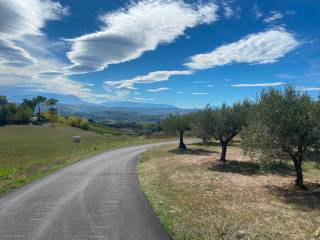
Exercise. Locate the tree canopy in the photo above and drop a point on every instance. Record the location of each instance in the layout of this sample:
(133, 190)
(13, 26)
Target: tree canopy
(178, 123)
(285, 125)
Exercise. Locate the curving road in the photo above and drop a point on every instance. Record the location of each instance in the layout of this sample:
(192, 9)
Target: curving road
(96, 198)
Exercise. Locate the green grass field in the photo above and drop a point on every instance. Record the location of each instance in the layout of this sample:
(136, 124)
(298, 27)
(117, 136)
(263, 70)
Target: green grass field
(197, 198)
(29, 152)
(99, 128)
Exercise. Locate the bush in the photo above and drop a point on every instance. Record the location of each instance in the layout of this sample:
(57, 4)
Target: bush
(62, 119)
(84, 124)
(78, 122)
(23, 114)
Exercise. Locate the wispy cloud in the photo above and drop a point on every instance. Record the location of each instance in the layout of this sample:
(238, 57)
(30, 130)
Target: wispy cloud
(14, 56)
(129, 32)
(287, 76)
(158, 89)
(139, 99)
(20, 19)
(258, 84)
(199, 93)
(310, 89)
(273, 16)
(260, 48)
(257, 12)
(230, 11)
(151, 77)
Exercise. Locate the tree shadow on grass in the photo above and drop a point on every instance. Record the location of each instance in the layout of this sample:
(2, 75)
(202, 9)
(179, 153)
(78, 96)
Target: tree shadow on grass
(214, 144)
(193, 151)
(252, 168)
(305, 200)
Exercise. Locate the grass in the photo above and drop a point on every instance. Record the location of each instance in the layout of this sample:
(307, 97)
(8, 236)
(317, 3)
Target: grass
(100, 128)
(29, 152)
(196, 197)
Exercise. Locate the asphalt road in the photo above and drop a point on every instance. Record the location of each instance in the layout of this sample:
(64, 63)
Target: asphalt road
(96, 198)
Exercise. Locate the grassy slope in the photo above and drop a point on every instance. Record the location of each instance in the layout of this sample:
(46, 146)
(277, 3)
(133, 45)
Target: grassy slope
(196, 199)
(28, 152)
(99, 128)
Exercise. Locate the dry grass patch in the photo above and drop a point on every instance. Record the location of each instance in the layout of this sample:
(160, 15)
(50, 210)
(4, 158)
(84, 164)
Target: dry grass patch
(198, 198)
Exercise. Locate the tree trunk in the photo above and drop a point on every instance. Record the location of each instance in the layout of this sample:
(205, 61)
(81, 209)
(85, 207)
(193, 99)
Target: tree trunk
(224, 146)
(297, 164)
(181, 144)
(39, 113)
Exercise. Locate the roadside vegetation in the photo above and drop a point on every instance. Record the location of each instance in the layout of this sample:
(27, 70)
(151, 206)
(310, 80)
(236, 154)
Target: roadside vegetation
(197, 197)
(256, 175)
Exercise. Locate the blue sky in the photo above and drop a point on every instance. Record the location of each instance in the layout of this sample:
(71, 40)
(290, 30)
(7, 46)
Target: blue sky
(184, 53)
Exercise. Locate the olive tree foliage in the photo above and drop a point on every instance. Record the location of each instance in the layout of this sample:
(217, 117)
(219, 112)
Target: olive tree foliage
(285, 125)
(202, 124)
(52, 114)
(37, 102)
(178, 123)
(223, 123)
(228, 122)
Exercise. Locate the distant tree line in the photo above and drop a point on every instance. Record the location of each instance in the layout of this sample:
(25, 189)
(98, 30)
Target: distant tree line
(30, 110)
(278, 125)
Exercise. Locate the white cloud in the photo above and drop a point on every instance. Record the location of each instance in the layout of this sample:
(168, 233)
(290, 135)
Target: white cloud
(138, 99)
(151, 77)
(259, 84)
(229, 11)
(20, 19)
(310, 89)
(129, 32)
(158, 89)
(23, 44)
(14, 56)
(259, 48)
(199, 93)
(257, 13)
(273, 16)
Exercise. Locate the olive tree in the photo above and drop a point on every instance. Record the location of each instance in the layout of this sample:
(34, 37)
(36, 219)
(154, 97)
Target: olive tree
(202, 124)
(227, 122)
(177, 123)
(38, 101)
(52, 112)
(223, 123)
(285, 126)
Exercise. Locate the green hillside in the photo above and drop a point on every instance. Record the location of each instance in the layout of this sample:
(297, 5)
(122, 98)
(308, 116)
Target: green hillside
(28, 152)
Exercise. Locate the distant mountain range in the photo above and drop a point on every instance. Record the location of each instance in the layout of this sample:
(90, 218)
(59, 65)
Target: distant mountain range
(128, 104)
(120, 111)
(73, 100)
(125, 111)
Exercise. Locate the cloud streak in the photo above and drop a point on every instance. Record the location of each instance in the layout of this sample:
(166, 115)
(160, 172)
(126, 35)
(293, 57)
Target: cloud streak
(260, 48)
(158, 89)
(129, 32)
(199, 93)
(20, 19)
(273, 17)
(14, 56)
(157, 76)
(258, 84)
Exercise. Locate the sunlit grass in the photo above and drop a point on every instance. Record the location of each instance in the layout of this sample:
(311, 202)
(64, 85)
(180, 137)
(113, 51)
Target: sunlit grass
(28, 152)
(198, 198)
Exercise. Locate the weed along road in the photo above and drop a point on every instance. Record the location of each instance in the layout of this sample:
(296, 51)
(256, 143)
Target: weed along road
(96, 198)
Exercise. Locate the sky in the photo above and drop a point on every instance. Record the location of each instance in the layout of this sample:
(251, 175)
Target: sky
(183, 53)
